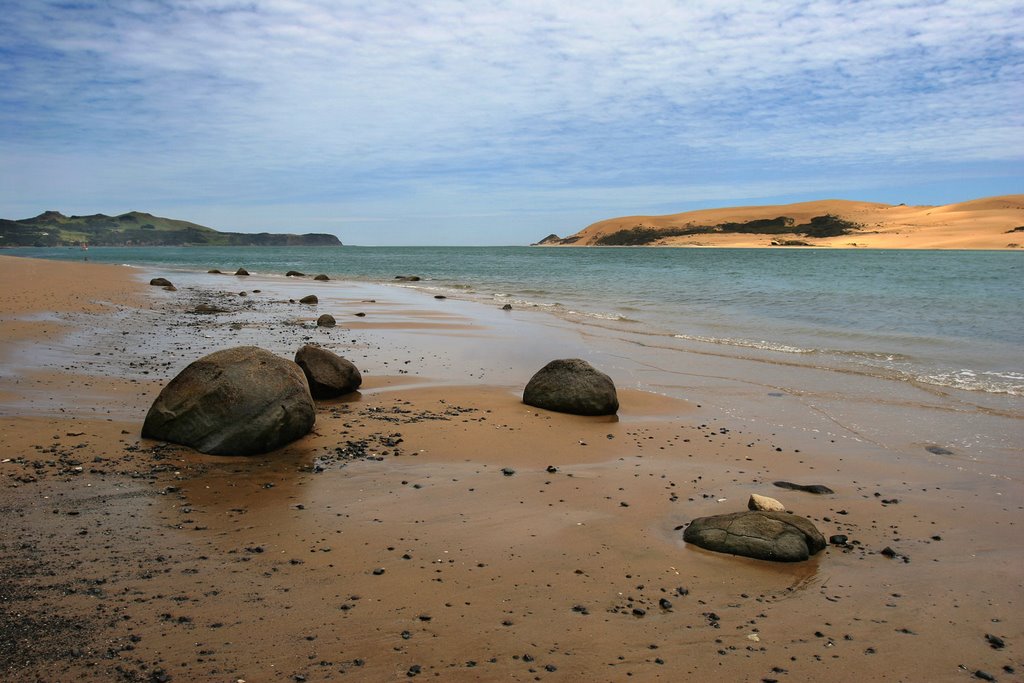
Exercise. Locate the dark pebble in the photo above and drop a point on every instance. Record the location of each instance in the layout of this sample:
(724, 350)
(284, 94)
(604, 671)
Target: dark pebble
(983, 675)
(507, 471)
(995, 641)
(664, 604)
(838, 539)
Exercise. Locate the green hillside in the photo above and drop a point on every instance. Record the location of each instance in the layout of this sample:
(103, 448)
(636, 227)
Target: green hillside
(54, 229)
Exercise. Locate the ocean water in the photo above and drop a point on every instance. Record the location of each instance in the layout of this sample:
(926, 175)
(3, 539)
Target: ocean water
(952, 319)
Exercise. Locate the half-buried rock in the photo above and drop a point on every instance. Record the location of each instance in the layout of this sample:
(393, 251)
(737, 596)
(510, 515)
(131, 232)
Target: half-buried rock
(776, 536)
(573, 386)
(329, 375)
(326, 320)
(240, 401)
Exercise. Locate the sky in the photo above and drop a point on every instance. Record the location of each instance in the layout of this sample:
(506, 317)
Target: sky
(489, 122)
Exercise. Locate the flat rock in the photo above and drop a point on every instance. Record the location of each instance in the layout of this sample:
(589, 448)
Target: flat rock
(775, 536)
(239, 401)
(329, 375)
(806, 488)
(573, 386)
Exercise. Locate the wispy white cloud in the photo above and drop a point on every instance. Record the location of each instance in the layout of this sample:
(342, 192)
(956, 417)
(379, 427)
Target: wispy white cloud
(218, 103)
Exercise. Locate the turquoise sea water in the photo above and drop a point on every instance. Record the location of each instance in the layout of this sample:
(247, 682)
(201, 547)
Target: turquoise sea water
(940, 318)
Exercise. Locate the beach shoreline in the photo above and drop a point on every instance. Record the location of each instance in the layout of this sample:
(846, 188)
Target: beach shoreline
(129, 553)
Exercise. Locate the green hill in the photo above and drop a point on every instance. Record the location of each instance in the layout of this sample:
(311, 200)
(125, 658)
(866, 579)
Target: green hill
(54, 229)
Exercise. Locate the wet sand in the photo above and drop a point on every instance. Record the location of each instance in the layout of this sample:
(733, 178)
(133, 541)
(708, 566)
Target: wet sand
(390, 543)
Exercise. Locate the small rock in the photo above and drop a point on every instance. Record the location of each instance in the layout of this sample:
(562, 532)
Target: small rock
(507, 471)
(214, 271)
(310, 299)
(507, 307)
(326, 320)
(321, 277)
(757, 502)
(440, 296)
(807, 488)
(838, 539)
(160, 282)
(995, 641)
(241, 271)
(294, 273)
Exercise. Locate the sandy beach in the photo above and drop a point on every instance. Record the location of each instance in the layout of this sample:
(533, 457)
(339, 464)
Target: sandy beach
(434, 526)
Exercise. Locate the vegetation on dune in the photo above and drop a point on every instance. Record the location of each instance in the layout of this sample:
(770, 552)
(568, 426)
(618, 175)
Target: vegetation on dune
(53, 229)
(819, 226)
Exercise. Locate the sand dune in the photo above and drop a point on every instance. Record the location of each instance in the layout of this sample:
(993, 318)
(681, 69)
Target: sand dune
(986, 223)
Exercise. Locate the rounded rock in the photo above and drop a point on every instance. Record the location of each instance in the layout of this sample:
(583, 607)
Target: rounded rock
(239, 401)
(328, 374)
(572, 386)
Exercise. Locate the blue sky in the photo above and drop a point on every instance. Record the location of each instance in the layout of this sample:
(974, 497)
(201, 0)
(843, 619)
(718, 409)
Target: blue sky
(493, 122)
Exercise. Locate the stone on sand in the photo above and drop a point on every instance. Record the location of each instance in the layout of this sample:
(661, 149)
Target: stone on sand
(160, 282)
(775, 536)
(765, 503)
(573, 386)
(329, 375)
(239, 401)
(310, 299)
(326, 320)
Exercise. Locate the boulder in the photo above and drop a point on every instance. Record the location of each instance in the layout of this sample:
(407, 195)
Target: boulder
(241, 271)
(326, 320)
(294, 273)
(321, 277)
(572, 386)
(239, 401)
(329, 375)
(160, 282)
(757, 502)
(775, 536)
(311, 299)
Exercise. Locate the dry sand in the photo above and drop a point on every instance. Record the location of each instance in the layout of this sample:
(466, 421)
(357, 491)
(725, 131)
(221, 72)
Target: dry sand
(988, 223)
(389, 543)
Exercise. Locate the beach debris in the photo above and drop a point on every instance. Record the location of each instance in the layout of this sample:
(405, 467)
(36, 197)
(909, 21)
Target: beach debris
(572, 386)
(329, 375)
(321, 277)
(239, 401)
(207, 308)
(326, 320)
(757, 502)
(294, 273)
(775, 536)
(807, 488)
(241, 271)
(309, 299)
(160, 282)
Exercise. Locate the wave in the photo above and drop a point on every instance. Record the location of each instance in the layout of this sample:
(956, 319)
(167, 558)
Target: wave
(1010, 383)
(763, 345)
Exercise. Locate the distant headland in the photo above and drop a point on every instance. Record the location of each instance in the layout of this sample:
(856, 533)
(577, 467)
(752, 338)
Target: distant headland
(54, 229)
(990, 223)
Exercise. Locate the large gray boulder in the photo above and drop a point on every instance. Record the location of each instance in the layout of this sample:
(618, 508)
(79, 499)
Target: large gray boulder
(240, 401)
(572, 386)
(776, 536)
(329, 375)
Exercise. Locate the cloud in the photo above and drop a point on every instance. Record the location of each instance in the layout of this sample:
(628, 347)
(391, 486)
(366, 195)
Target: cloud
(317, 100)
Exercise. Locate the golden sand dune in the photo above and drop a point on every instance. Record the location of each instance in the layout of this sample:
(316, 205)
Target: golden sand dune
(987, 223)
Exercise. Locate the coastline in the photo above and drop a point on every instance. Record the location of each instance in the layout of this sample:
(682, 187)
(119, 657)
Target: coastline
(206, 542)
